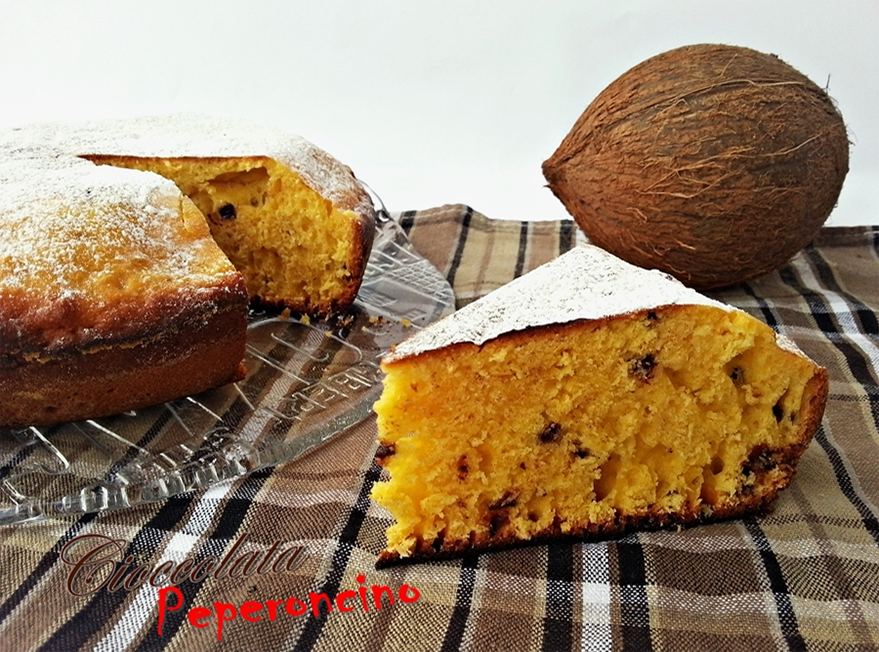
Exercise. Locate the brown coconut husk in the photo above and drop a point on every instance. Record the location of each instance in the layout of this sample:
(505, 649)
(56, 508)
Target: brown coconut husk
(713, 163)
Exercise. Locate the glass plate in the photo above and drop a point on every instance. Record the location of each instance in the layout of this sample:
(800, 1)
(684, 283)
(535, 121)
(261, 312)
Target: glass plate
(305, 383)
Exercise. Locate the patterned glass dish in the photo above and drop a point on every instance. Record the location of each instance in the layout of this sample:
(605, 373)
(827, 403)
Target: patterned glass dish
(305, 383)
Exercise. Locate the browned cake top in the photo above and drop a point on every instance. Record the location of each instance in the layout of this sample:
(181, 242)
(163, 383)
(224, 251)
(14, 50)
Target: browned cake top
(93, 254)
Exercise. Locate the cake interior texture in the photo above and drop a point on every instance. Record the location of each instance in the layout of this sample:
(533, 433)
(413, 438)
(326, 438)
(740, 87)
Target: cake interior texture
(293, 247)
(665, 416)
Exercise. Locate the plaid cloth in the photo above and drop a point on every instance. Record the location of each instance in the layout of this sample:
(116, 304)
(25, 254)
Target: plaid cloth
(805, 576)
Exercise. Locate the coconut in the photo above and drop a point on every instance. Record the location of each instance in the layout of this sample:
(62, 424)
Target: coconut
(713, 163)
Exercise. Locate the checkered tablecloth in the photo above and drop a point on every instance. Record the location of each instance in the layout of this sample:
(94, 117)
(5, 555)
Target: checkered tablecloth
(805, 576)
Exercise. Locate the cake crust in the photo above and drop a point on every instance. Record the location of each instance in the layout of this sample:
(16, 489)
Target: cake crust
(75, 384)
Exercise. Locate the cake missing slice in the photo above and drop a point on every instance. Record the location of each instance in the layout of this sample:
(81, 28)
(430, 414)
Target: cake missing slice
(585, 399)
(293, 247)
(132, 249)
(294, 220)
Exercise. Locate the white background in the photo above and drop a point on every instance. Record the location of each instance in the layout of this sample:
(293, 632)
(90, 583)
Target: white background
(458, 101)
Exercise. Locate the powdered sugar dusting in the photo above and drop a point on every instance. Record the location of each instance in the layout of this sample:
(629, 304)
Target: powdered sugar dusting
(72, 229)
(585, 283)
(186, 135)
(788, 345)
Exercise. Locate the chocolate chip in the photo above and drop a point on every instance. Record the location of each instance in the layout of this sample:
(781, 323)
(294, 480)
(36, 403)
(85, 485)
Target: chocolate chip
(551, 433)
(509, 499)
(642, 368)
(227, 212)
(737, 375)
(384, 451)
(463, 468)
(496, 522)
(777, 412)
(762, 458)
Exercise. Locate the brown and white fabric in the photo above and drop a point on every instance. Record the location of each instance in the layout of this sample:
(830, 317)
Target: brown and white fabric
(804, 577)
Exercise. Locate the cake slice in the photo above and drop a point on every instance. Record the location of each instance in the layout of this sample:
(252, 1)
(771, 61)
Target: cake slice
(584, 399)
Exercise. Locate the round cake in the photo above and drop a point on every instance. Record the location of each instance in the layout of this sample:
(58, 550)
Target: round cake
(132, 250)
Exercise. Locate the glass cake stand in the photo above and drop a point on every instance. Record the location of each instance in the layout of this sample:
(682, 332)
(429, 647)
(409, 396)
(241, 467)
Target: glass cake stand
(305, 383)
